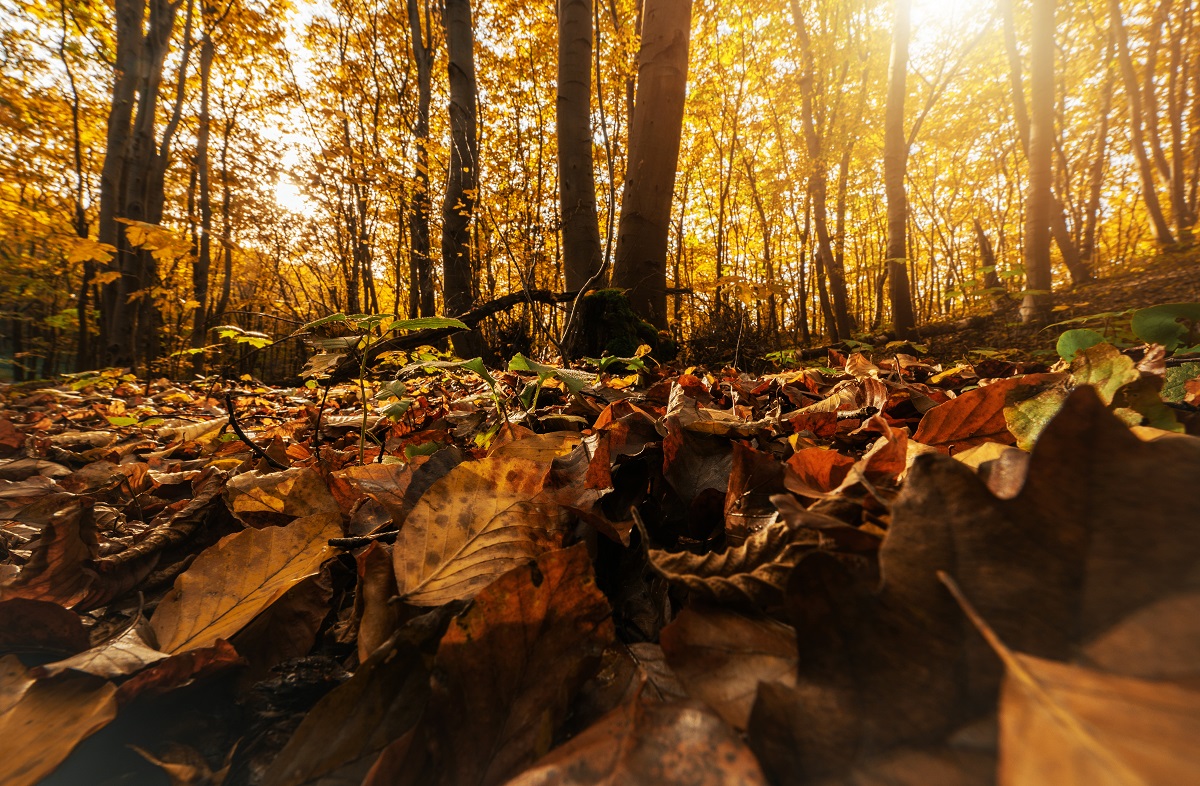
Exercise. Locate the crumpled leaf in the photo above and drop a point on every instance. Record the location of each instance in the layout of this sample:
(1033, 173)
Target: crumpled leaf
(118, 657)
(648, 744)
(274, 498)
(234, 580)
(720, 655)
(398, 487)
(508, 667)
(977, 415)
(41, 721)
(60, 569)
(755, 572)
(471, 526)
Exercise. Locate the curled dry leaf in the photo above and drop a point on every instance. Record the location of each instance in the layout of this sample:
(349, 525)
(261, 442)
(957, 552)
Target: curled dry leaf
(648, 744)
(263, 500)
(60, 569)
(376, 586)
(41, 721)
(721, 655)
(755, 572)
(508, 667)
(474, 524)
(398, 487)
(123, 655)
(234, 580)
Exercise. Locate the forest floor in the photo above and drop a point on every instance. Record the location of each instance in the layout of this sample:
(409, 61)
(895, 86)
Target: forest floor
(650, 577)
(1168, 278)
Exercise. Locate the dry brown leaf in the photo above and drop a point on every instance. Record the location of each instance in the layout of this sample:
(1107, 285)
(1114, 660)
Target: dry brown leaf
(377, 617)
(540, 448)
(121, 656)
(40, 626)
(754, 572)
(60, 569)
(286, 629)
(977, 415)
(41, 721)
(262, 500)
(469, 528)
(721, 655)
(508, 667)
(234, 580)
(398, 487)
(650, 744)
(1159, 641)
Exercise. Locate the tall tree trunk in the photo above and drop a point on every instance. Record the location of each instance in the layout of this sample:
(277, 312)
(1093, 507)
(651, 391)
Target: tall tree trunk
(1091, 209)
(84, 357)
(582, 255)
(462, 179)
(421, 295)
(641, 257)
(1177, 81)
(202, 267)
(1061, 234)
(1158, 223)
(1039, 203)
(895, 166)
(818, 187)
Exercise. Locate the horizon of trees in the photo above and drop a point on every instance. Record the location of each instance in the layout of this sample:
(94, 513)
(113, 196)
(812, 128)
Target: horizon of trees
(842, 166)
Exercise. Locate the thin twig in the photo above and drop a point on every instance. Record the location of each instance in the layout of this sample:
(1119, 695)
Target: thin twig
(237, 429)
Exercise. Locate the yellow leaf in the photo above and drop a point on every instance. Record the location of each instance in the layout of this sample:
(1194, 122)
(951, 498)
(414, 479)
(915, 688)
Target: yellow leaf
(231, 582)
(474, 524)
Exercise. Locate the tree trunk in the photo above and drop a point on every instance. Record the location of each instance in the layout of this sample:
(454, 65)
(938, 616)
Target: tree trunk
(1079, 271)
(462, 179)
(84, 356)
(582, 255)
(1158, 223)
(1041, 151)
(641, 257)
(1091, 209)
(421, 294)
(895, 165)
(202, 267)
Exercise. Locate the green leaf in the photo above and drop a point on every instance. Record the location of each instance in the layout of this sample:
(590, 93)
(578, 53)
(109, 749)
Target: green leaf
(1169, 324)
(1072, 342)
(424, 449)
(1173, 389)
(521, 363)
(476, 365)
(121, 421)
(397, 410)
(428, 323)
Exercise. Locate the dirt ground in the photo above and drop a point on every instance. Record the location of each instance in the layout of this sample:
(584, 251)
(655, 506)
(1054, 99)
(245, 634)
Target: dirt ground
(1169, 278)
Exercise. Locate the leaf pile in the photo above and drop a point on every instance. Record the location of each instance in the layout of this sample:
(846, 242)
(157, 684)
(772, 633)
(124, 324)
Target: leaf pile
(867, 572)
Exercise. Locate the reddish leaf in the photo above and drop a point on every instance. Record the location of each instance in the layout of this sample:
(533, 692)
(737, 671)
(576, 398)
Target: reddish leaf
(60, 569)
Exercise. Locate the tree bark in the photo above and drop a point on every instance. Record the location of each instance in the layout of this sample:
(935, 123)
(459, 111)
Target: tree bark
(895, 165)
(641, 257)
(421, 293)
(582, 255)
(1158, 223)
(462, 182)
(1039, 202)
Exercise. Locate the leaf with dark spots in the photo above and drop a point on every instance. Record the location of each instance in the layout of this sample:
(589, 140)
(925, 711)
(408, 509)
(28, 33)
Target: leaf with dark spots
(507, 668)
(649, 744)
(276, 498)
(397, 487)
(474, 524)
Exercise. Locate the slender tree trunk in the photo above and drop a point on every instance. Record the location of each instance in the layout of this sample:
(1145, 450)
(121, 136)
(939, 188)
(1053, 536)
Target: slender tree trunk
(1177, 81)
(1059, 230)
(641, 256)
(582, 255)
(1039, 203)
(1091, 209)
(895, 166)
(84, 357)
(1158, 223)
(463, 174)
(421, 295)
(202, 267)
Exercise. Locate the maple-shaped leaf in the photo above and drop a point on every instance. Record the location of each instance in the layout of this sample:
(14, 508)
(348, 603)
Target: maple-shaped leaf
(471, 526)
(508, 667)
(231, 582)
(755, 572)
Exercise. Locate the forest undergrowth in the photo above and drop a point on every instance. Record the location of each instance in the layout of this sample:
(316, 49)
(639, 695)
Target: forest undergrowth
(904, 564)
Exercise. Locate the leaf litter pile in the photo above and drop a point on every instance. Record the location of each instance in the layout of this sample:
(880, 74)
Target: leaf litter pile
(865, 573)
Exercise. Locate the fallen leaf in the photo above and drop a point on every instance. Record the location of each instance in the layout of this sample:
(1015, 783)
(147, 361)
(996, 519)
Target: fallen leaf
(40, 626)
(814, 472)
(376, 587)
(41, 721)
(60, 569)
(398, 487)
(286, 629)
(178, 670)
(234, 580)
(1158, 641)
(271, 499)
(471, 526)
(539, 448)
(508, 667)
(648, 744)
(720, 655)
(977, 415)
(123, 655)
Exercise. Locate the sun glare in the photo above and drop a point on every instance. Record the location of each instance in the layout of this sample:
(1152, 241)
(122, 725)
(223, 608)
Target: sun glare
(946, 15)
(289, 196)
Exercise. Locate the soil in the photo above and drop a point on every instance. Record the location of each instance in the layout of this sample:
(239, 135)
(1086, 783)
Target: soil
(1168, 278)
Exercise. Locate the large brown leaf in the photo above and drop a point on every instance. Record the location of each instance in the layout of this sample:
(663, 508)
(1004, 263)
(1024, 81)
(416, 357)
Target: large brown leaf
(508, 668)
(471, 526)
(231, 582)
(977, 415)
(41, 721)
(721, 655)
(648, 744)
(263, 500)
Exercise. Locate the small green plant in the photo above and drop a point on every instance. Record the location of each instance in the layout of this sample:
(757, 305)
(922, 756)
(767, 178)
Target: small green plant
(1176, 326)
